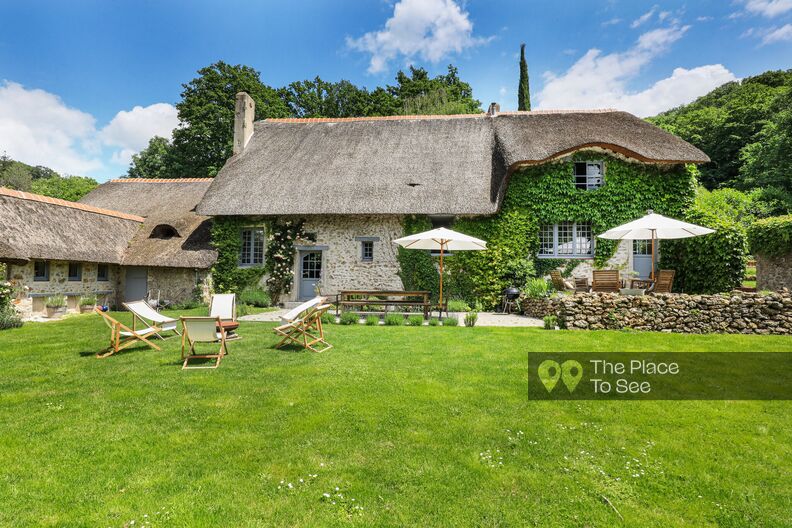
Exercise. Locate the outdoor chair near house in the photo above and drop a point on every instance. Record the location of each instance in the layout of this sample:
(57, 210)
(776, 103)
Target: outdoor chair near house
(223, 307)
(664, 281)
(149, 317)
(121, 336)
(606, 281)
(205, 331)
(303, 326)
(558, 281)
(582, 285)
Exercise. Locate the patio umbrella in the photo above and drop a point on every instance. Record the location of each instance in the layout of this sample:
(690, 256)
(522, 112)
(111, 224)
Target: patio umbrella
(441, 239)
(655, 227)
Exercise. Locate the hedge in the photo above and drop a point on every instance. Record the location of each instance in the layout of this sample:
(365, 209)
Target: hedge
(771, 237)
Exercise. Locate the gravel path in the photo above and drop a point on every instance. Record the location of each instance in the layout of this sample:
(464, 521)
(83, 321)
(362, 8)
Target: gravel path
(485, 318)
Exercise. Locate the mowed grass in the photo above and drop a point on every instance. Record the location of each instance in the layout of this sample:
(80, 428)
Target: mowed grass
(420, 426)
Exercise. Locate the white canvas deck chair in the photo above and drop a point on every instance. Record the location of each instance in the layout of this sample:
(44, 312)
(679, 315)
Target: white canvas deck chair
(303, 326)
(121, 336)
(223, 306)
(202, 330)
(143, 312)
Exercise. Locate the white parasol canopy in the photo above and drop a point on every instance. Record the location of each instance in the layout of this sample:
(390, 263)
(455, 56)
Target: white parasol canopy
(657, 226)
(444, 240)
(653, 227)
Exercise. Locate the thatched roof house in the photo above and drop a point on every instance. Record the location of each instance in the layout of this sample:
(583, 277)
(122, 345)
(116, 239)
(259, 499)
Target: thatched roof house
(172, 234)
(39, 227)
(453, 165)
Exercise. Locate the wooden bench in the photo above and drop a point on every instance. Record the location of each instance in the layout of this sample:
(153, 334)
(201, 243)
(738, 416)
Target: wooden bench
(356, 300)
(606, 281)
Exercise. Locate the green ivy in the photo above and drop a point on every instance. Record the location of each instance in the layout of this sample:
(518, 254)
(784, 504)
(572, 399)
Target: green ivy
(771, 237)
(546, 194)
(227, 276)
(279, 260)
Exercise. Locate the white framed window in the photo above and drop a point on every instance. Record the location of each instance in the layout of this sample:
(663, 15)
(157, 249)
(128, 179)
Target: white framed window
(252, 251)
(589, 175)
(367, 250)
(566, 240)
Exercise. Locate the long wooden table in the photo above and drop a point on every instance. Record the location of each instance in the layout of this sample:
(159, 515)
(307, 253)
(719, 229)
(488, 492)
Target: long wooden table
(349, 300)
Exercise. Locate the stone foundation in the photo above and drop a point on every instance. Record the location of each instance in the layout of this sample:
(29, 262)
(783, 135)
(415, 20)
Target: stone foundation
(734, 313)
(773, 273)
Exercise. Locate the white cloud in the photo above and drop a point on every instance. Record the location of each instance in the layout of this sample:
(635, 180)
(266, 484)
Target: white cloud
(600, 81)
(429, 29)
(768, 8)
(38, 128)
(131, 130)
(781, 34)
(644, 18)
(703, 18)
(611, 22)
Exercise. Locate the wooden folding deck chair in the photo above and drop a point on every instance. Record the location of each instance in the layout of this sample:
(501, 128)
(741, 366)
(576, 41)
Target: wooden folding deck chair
(305, 329)
(202, 330)
(558, 281)
(223, 306)
(143, 312)
(121, 336)
(606, 281)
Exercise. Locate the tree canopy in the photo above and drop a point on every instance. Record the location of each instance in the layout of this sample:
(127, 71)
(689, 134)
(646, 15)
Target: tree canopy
(43, 180)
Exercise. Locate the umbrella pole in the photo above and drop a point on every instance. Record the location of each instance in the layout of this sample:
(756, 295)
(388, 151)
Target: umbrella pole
(441, 279)
(653, 254)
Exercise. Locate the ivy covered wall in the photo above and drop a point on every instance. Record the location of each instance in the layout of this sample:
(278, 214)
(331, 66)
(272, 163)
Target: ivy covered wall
(546, 194)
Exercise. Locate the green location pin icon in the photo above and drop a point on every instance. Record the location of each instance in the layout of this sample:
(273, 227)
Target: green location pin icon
(549, 371)
(571, 372)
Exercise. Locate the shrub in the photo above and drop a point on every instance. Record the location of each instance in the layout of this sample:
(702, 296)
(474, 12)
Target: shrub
(192, 304)
(9, 318)
(88, 300)
(537, 288)
(450, 321)
(349, 318)
(771, 237)
(394, 320)
(711, 263)
(550, 322)
(415, 320)
(434, 321)
(471, 318)
(56, 301)
(328, 318)
(243, 309)
(458, 305)
(372, 320)
(255, 297)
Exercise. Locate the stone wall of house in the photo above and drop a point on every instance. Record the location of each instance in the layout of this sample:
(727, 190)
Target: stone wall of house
(774, 273)
(31, 294)
(343, 267)
(621, 260)
(734, 313)
(176, 284)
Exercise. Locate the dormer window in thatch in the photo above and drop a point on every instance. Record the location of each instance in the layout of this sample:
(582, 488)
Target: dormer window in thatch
(164, 231)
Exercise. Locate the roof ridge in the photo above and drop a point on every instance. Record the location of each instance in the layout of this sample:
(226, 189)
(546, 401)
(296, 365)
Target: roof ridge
(368, 118)
(432, 116)
(159, 180)
(4, 191)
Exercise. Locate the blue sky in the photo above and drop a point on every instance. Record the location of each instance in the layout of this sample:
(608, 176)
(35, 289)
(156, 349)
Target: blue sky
(84, 84)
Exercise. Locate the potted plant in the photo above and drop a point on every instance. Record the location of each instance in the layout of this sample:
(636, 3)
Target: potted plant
(56, 306)
(87, 303)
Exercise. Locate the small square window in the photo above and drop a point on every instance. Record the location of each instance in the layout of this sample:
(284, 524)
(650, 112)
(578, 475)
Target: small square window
(75, 271)
(589, 175)
(367, 250)
(102, 272)
(41, 270)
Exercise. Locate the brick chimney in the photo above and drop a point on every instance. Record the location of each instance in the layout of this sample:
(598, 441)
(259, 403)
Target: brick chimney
(493, 109)
(243, 121)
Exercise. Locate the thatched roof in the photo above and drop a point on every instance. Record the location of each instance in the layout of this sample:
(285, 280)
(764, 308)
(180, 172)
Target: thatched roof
(165, 204)
(39, 227)
(416, 164)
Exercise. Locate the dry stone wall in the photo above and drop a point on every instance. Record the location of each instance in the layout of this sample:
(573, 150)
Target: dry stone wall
(773, 273)
(734, 313)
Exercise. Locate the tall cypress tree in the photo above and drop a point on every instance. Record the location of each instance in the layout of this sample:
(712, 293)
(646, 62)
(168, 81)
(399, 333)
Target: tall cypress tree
(524, 90)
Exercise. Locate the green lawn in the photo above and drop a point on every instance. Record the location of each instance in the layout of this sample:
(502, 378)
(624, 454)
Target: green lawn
(399, 426)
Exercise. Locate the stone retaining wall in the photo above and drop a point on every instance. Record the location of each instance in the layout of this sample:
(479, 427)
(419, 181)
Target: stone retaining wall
(773, 273)
(734, 313)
